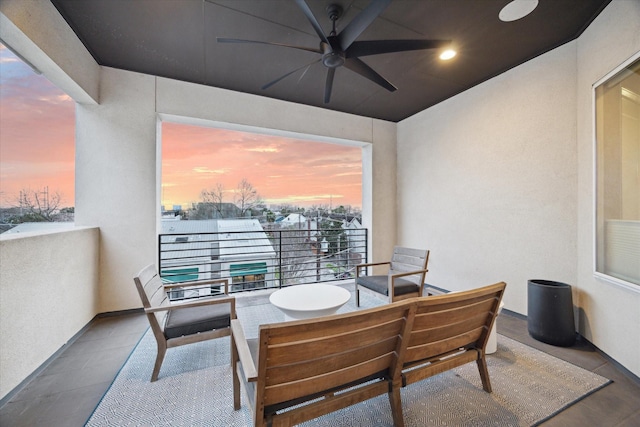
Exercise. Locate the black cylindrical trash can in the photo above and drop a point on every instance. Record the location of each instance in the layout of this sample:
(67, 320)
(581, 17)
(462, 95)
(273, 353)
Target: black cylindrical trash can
(550, 312)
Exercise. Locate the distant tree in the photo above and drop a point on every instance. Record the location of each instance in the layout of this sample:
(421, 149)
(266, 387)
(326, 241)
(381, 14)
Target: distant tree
(297, 255)
(210, 211)
(271, 217)
(335, 236)
(287, 209)
(246, 197)
(37, 206)
(66, 214)
(340, 210)
(318, 209)
(214, 197)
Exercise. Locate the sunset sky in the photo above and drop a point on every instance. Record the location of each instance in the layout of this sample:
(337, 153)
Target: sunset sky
(37, 151)
(36, 134)
(283, 170)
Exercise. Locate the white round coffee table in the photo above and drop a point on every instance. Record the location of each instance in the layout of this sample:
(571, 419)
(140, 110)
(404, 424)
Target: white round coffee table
(492, 343)
(307, 301)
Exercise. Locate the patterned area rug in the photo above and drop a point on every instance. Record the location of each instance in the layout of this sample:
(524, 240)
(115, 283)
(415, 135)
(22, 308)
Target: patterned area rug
(194, 387)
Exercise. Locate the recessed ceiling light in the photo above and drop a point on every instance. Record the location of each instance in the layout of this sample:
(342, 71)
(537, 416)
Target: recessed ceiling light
(447, 54)
(517, 9)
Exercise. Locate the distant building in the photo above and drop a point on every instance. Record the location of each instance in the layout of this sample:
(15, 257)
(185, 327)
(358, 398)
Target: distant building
(355, 239)
(246, 253)
(238, 249)
(294, 220)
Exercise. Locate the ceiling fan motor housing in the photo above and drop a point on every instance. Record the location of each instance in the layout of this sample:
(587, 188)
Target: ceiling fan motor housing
(333, 56)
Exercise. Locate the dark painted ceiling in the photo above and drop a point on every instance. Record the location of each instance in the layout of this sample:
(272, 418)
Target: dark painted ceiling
(177, 39)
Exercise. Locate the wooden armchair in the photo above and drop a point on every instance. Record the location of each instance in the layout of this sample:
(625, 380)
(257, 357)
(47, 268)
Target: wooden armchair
(300, 366)
(451, 330)
(180, 323)
(405, 278)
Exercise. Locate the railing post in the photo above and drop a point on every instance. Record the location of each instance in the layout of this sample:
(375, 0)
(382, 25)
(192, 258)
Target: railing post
(366, 246)
(160, 255)
(280, 258)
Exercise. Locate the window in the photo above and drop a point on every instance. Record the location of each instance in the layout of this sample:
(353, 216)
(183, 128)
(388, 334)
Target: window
(248, 276)
(617, 108)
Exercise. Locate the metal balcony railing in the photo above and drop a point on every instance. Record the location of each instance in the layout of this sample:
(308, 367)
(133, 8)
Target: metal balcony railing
(260, 259)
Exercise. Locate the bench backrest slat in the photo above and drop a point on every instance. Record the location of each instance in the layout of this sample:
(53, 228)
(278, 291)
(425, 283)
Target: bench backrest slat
(448, 322)
(300, 359)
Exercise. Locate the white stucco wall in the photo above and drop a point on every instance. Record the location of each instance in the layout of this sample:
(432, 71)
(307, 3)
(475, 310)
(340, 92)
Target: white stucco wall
(497, 182)
(609, 314)
(116, 181)
(487, 180)
(48, 292)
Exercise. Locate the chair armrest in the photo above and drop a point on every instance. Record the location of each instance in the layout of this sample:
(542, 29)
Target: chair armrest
(393, 277)
(196, 303)
(371, 264)
(199, 283)
(244, 354)
(409, 273)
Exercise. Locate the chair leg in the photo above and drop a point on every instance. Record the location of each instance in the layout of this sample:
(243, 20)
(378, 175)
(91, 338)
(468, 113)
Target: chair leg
(396, 406)
(162, 350)
(357, 296)
(259, 418)
(484, 373)
(234, 373)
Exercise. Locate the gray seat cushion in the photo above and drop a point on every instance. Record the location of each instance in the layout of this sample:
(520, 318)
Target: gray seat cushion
(191, 320)
(379, 285)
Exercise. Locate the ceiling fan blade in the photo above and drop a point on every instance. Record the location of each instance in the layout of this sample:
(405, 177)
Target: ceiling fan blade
(312, 19)
(356, 65)
(329, 85)
(227, 40)
(268, 85)
(361, 22)
(376, 47)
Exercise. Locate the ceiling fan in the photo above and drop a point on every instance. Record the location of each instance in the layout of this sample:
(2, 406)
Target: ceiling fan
(342, 49)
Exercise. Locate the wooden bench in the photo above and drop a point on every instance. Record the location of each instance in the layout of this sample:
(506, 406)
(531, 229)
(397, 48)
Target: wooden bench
(451, 330)
(325, 364)
(297, 371)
